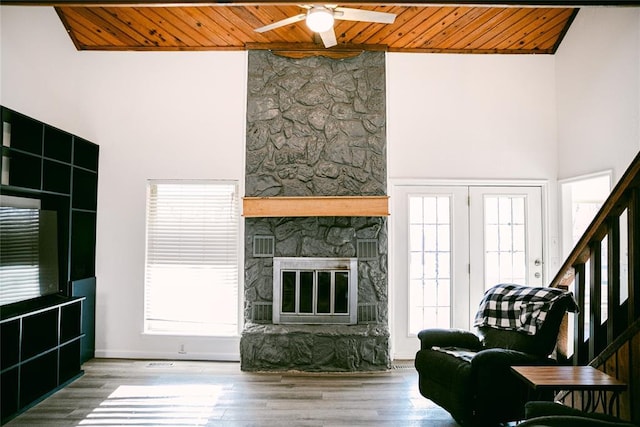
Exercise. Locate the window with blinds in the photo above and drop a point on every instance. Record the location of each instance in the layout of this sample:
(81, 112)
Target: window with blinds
(28, 253)
(191, 277)
(19, 266)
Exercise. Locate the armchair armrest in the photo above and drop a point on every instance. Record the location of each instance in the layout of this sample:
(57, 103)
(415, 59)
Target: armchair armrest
(448, 338)
(507, 358)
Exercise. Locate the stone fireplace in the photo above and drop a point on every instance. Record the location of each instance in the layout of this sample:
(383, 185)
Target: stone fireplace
(315, 127)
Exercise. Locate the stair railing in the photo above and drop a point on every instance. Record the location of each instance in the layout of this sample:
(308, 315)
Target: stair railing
(603, 272)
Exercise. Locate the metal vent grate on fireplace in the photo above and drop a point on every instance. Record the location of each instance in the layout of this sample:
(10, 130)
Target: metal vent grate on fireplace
(263, 246)
(367, 313)
(262, 312)
(367, 249)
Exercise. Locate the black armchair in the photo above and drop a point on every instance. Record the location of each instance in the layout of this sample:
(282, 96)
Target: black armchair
(469, 374)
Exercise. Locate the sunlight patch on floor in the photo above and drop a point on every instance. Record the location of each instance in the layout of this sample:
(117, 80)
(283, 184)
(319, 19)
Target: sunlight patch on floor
(175, 405)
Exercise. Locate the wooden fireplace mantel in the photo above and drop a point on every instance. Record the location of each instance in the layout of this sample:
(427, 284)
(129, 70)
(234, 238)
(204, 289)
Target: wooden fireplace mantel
(315, 206)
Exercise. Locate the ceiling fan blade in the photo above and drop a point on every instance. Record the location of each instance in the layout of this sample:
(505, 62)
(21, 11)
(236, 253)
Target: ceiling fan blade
(328, 38)
(281, 23)
(349, 14)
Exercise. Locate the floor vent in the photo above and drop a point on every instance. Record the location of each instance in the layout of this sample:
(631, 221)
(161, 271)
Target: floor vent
(160, 365)
(367, 249)
(367, 313)
(263, 246)
(262, 312)
(403, 366)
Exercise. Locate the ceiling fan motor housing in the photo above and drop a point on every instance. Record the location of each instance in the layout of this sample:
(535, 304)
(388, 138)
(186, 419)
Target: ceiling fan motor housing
(319, 19)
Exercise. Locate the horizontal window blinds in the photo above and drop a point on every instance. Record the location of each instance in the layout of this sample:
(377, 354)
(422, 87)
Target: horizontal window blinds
(19, 254)
(191, 277)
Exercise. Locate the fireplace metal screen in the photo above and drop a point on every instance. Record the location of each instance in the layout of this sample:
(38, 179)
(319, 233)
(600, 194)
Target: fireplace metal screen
(315, 290)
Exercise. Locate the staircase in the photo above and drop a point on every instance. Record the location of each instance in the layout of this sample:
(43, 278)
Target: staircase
(603, 272)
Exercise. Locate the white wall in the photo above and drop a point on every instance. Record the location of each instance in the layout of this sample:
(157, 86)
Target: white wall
(598, 81)
(181, 115)
(167, 115)
(471, 116)
(465, 119)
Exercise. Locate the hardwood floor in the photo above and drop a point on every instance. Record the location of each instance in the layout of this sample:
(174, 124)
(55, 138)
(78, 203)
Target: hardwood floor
(117, 392)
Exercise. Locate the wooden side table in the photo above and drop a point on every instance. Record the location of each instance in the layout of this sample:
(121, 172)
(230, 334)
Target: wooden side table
(591, 382)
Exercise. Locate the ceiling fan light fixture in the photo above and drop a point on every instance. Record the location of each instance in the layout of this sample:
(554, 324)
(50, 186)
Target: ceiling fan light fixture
(319, 19)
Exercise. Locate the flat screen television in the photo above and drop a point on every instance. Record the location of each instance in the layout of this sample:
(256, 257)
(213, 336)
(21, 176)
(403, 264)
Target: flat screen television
(28, 251)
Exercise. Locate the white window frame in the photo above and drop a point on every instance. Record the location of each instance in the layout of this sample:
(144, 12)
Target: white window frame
(207, 263)
(567, 198)
(600, 185)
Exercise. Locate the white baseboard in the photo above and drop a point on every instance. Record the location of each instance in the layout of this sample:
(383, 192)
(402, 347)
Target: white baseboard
(213, 357)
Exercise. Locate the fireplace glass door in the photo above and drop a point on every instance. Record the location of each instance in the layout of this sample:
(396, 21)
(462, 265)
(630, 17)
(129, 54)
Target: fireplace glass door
(324, 294)
(315, 292)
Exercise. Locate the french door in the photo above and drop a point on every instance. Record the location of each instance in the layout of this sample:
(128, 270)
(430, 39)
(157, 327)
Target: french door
(451, 243)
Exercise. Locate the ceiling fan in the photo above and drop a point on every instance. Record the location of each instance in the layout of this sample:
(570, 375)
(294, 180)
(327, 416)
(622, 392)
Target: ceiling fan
(320, 18)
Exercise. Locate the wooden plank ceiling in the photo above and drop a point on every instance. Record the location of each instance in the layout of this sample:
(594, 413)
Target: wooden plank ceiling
(417, 28)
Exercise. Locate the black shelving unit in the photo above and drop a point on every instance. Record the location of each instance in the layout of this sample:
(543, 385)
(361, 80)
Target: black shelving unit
(45, 340)
(40, 350)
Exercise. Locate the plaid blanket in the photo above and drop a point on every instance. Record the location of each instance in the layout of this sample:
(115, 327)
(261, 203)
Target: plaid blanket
(520, 308)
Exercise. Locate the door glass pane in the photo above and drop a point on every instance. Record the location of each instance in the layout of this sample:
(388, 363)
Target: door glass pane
(444, 231)
(415, 238)
(444, 293)
(430, 240)
(416, 265)
(429, 262)
(505, 240)
(491, 210)
(416, 215)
